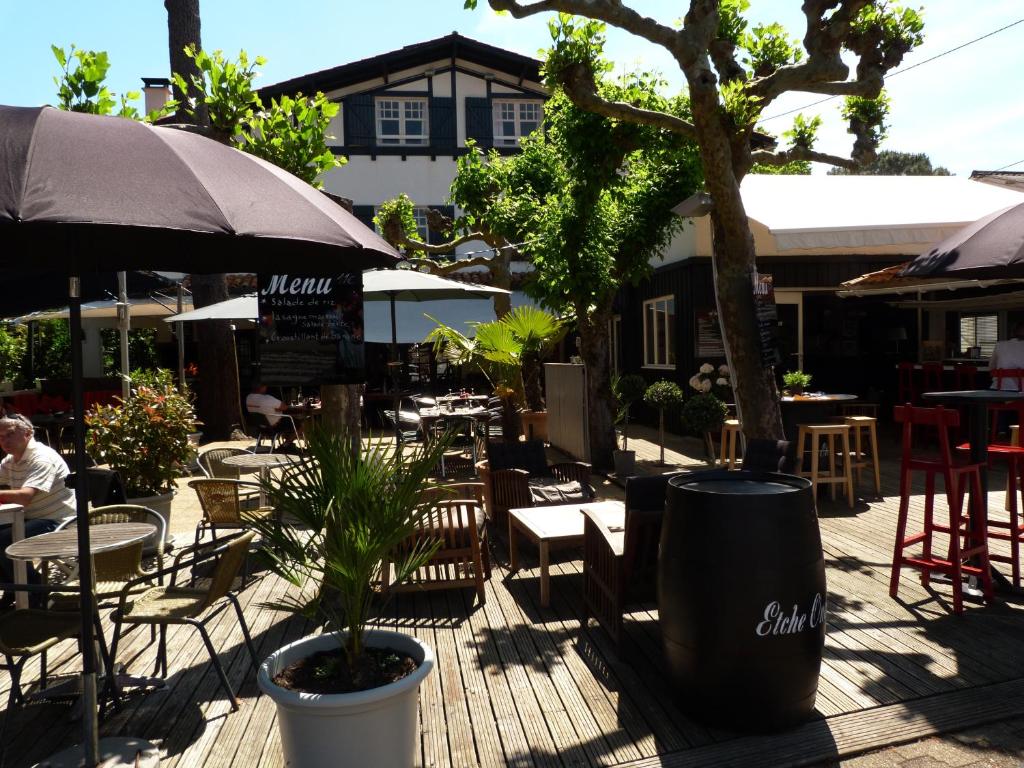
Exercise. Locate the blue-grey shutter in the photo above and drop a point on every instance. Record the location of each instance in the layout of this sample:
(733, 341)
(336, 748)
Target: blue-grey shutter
(364, 213)
(360, 127)
(479, 122)
(442, 122)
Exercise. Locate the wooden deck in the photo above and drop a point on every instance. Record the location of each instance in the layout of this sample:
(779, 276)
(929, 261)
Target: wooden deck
(521, 685)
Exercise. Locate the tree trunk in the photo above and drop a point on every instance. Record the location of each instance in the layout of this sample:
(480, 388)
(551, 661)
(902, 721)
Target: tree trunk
(340, 409)
(184, 29)
(218, 398)
(511, 422)
(501, 277)
(531, 383)
(593, 330)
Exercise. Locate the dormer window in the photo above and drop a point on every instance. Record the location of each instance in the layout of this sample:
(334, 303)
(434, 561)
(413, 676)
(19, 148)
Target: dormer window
(402, 121)
(515, 119)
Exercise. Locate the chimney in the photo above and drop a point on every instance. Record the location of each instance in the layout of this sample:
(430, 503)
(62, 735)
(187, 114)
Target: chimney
(157, 92)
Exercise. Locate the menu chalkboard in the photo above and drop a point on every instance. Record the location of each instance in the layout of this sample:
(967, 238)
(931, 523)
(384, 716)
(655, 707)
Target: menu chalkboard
(767, 319)
(311, 329)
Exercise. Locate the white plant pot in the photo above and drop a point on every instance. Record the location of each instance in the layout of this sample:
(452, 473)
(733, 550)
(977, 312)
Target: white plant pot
(162, 506)
(348, 730)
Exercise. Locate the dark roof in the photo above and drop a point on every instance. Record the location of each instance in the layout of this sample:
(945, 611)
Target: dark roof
(1009, 179)
(411, 56)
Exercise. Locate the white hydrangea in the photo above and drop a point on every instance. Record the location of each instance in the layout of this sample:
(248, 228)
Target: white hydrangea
(723, 370)
(707, 368)
(722, 382)
(705, 386)
(695, 382)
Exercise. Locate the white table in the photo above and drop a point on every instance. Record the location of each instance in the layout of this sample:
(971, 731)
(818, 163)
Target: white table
(14, 515)
(261, 463)
(560, 525)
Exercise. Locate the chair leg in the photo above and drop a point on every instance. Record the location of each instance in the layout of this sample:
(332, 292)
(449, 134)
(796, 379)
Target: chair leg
(245, 631)
(216, 663)
(161, 653)
(901, 531)
(929, 524)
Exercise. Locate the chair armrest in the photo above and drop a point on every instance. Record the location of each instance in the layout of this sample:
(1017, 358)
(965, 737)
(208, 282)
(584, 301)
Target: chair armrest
(611, 533)
(566, 471)
(510, 488)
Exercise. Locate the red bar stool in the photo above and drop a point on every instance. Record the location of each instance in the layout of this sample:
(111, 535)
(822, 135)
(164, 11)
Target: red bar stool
(1003, 378)
(956, 477)
(932, 377)
(907, 391)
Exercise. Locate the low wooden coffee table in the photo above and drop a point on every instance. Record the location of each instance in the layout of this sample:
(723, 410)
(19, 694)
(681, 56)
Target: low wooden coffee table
(560, 525)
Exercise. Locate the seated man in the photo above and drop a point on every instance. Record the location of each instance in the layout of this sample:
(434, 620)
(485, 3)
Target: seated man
(36, 475)
(258, 401)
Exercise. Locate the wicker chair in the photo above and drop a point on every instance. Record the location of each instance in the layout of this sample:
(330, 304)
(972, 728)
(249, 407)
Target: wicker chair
(516, 475)
(173, 604)
(620, 562)
(29, 632)
(221, 501)
(212, 464)
(462, 558)
(112, 570)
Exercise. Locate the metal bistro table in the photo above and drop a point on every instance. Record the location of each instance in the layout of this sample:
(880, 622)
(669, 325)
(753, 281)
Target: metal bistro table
(261, 463)
(977, 401)
(430, 417)
(63, 545)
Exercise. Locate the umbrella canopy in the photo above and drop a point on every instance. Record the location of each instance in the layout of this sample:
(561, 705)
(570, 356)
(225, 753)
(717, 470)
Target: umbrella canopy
(990, 248)
(87, 193)
(126, 195)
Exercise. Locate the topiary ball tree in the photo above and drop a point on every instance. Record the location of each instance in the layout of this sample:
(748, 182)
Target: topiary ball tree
(628, 389)
(703, 414)
(663, 395)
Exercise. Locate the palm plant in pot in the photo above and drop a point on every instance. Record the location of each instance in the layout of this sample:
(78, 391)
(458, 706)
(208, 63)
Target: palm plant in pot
(347, 697)
(145, 439)
(628, 390)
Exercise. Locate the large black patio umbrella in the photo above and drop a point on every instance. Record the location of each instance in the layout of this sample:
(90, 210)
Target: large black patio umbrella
(990, 248)
(83, 193)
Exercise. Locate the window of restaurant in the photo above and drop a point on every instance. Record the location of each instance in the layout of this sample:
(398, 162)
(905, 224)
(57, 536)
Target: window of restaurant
(979, 331)
(402, 121)
(659, 324)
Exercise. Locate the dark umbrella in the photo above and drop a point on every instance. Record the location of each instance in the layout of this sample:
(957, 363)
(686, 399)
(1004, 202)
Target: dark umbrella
(990, 248)
(84, 193)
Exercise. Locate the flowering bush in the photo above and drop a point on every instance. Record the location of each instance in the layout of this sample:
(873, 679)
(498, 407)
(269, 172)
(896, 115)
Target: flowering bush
(146, 438)
(704, 412)
(715, 381)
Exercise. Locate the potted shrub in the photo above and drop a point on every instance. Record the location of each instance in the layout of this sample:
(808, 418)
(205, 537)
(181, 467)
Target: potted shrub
(795, 382)
(628, 389)
(703, 414)
(347, 697)
(663, 395)
(145, 439)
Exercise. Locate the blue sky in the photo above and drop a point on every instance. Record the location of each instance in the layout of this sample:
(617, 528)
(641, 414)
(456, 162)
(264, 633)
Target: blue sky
(965, 109)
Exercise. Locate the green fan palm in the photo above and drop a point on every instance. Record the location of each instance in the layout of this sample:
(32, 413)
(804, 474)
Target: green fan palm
(347, 512)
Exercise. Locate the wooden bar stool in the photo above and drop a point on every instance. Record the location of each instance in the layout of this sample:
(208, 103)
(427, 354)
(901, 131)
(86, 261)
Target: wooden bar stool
(838, 472)
(859, 409)
(956, 478)
(863, 430)
(730, 436)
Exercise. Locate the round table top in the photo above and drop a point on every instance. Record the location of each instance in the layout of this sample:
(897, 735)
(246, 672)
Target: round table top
(823, 398)
(258, 460)
(980, 396)
(438, 413)
(63, 544)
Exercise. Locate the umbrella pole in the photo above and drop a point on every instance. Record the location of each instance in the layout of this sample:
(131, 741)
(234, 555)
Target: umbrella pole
(123, 324)
(90, 744)
(394, 376)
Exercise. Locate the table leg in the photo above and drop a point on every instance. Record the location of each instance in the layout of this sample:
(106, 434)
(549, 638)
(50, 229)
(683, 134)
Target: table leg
(513, 550)
(545, 584)
(20, 566)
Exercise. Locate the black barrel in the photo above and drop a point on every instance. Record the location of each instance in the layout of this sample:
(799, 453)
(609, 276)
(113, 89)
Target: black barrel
(741, 596)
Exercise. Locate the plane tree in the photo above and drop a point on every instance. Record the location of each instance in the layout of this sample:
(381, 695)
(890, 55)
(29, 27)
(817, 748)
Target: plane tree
(733, 73)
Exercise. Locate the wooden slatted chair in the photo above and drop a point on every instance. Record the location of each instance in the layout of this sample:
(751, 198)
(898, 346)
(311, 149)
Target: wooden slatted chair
(620, 558)
(172, 604)
(458, 527)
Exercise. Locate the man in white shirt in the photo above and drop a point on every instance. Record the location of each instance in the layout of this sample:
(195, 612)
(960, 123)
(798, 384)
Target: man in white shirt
(1008, 355)
(258, 401)
(36, 475)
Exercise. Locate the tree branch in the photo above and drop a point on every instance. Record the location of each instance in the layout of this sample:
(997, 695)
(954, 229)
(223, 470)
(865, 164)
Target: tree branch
(610, 11)
(800, 153)
(409, 245)
(447, 267)
(579, 85)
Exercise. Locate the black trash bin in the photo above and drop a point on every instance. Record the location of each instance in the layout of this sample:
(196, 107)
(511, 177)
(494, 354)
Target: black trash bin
(741, 596)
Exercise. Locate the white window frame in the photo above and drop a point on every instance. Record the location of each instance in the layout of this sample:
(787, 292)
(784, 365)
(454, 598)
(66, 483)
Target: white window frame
(501, 139)
(401, 139)
(652, 359)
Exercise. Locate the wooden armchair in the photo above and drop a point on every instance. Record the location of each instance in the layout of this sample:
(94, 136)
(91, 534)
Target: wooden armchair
(462, 559)
(620, 561)
(518, 475)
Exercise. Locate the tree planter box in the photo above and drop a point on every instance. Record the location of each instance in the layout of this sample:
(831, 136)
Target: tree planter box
(741, 597)
(348, 730)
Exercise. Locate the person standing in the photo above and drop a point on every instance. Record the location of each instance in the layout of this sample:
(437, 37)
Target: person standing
(36, 475)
